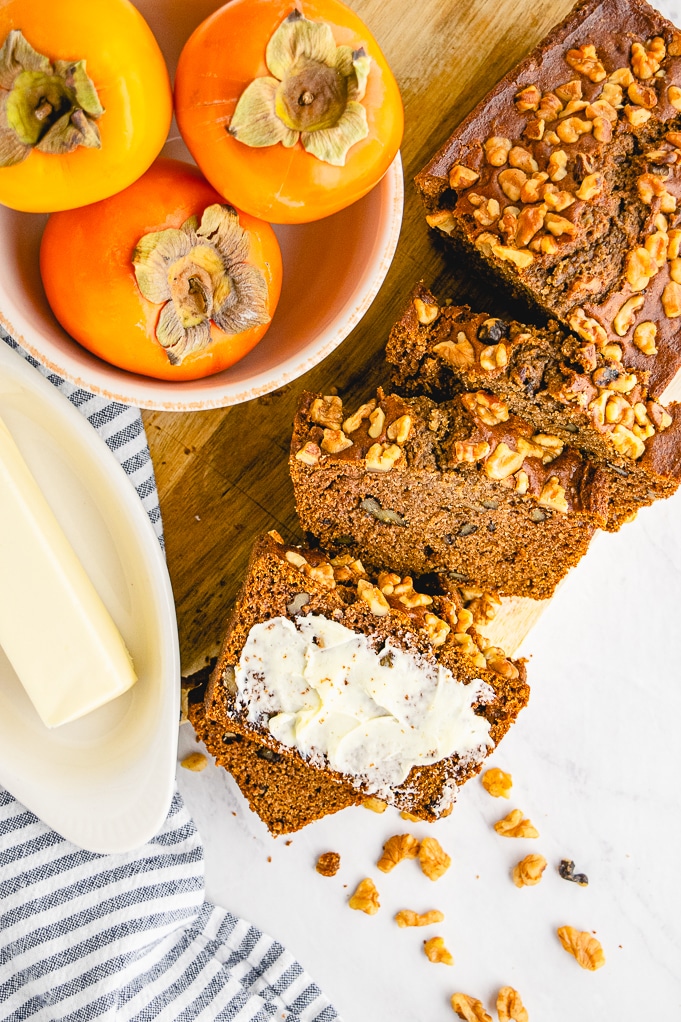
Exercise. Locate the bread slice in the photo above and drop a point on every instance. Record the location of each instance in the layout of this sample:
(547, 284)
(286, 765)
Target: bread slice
(551, 379)
(461, 487)
(415, 650)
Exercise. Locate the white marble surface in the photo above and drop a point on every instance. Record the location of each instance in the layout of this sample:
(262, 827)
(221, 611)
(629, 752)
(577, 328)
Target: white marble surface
(596, 765)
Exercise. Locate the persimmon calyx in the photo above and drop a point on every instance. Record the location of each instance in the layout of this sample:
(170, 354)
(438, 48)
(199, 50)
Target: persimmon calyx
(52, 107)
(314, 94)
(199, 273)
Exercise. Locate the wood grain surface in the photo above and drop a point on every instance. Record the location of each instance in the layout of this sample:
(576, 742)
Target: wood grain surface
(222, 475)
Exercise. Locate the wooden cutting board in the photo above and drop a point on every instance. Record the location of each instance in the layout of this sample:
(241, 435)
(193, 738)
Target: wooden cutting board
(222, 475)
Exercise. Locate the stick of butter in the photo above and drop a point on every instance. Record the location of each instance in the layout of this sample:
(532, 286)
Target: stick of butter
(54, 628)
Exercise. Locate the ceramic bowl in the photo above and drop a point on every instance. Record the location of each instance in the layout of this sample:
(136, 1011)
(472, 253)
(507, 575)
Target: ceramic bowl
(327, 288)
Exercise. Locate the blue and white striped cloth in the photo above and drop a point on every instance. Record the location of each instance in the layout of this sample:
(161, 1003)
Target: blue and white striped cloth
(130, 938)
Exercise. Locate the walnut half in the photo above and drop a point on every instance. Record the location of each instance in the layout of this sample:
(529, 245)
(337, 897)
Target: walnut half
(514, 825)
(469, 1008)
(397, 848)
(435, 951)
(510, 1007)
(433, 858)
(365, 898)
(583, 946)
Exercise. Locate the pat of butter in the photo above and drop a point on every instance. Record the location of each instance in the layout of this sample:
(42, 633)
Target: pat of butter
(56, 632)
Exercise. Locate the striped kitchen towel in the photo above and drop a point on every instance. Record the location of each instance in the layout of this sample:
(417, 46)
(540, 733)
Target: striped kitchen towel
(130, 937)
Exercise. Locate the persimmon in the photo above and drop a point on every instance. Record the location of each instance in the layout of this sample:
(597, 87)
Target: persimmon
(164, 278)
(85, 101)
(289, 108)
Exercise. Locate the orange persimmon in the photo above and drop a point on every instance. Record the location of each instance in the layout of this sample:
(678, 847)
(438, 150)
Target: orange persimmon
(164, 278)
(85, 102)
(289, 108)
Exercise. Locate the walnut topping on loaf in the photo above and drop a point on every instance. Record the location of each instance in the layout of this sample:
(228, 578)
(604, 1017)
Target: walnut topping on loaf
(571, 391)
(566, 180)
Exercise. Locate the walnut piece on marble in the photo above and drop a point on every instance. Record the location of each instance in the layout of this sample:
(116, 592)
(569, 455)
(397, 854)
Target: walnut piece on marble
(510, 1007)
(435, 951)
(365, 899)
(433, 859)
(528, 872)
(328, 864)
(583, 947)
(397, 848)
(514, 825)
(406, 917)
(497, 782)
(469, 1008)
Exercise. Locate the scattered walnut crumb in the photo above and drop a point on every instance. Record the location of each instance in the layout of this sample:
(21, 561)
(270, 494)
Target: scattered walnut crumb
(469, 1008)
(410, 816)
(510, 1007)
(365, 898)
(497, 782)
(195, 761)
(434, 860)
(396, 848)
(328, 864)
(513, 825)
(375, 804)
(435, 951)
(405, 917)
(529, 870)
(582, 946)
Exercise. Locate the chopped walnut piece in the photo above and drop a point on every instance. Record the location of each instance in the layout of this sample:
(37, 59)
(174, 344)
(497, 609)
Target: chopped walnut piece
(671, 300)
(459, 354)
(636, 115)
(365, 898)
(469, 1008)
(295, 558)
(572, 128)
(322, 573)
(566, 870)
(328, 864)
(645, 62)
(511, 182)
(642, 95)
(511, 255)
(405, 917)
(534, 129)
(433, 859)
(583, 946)
(529, 870)
(528, 99)
(529, 221)
(591, 187)
(622, 76)
(674, 96)
(659, 416)
(436, 628)
(522, 159)
(373, 596)
(466, 450)
(353, 422)
(494, 356)
(559, 225)
(309, 454)
(553, 495)
(514, 825)
(397, 848)
(557, 165)
(195, 761)
(335, 441)
(645, 336)
(497, 782)
(503, 462)
(382, 457)
(462, 177)
(410, 816)
(327, 411)
(626, 317)
(377, 421)
(497, 149)
(585, 60)
(400, 429)
(376, 805)
(640, 267)
(489, 408)
(570, 90)
(550, 107)
(589, 329)
(627, 443)
(426, 314)
(443, 220)
(510, 1007)
(435, 951)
